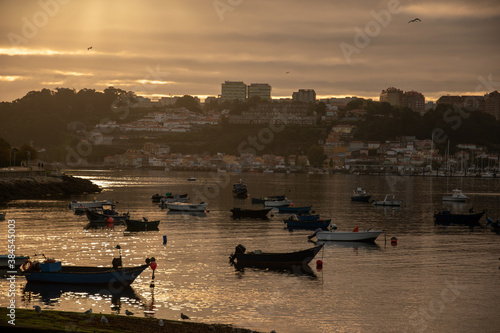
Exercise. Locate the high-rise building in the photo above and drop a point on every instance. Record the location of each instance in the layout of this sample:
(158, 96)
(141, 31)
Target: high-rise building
(232, 90)
(304, 95)
(393, 96)
(415, 101)
(263, 90)
(492, 104)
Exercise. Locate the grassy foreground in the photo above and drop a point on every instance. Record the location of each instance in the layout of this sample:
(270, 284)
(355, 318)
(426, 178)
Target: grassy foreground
(62, 321)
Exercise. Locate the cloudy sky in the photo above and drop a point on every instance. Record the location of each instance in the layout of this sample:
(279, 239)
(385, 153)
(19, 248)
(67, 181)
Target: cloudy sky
(167, 47)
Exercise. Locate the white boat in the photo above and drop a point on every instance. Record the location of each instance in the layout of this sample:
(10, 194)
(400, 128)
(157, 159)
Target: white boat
(171, 199)
(347, 236)
(457, 196)
(389, 200)
(277, 203)
(89, 204)
(187, 207)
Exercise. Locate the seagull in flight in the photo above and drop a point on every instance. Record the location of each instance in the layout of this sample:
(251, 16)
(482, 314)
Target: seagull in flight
(89, 48)
(415, 20)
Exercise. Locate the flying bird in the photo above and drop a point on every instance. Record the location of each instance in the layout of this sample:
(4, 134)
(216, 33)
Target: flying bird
(37, 309)
(128, 313)
(89, 48)
(104, 320)
(89, 311)
(415, 20)
(183, 316)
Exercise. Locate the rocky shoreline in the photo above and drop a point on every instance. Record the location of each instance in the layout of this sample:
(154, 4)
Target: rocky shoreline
(33, 187)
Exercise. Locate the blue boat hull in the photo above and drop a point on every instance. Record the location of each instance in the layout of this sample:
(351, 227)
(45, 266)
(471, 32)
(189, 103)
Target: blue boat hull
(88, 275)
(447, 218)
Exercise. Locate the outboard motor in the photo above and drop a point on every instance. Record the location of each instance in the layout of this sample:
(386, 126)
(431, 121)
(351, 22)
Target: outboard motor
(239, 249)
(117, 263)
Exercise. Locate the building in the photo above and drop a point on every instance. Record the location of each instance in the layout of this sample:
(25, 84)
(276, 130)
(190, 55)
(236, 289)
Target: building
(492, 104)
(393, 96)
(415, 101)
(232, 90)
(262, 90)
(451, 100)
(304, 95)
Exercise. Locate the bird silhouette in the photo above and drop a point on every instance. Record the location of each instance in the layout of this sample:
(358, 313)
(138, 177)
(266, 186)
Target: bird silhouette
(128, 313)
(37, 309)
(183, 316)
(160, 323)
(89, 48)
(104, 320)
(415, 20)
(89, 311)
(287, 73)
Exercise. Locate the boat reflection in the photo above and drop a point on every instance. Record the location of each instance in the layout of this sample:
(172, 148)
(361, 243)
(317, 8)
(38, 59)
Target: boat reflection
(52, 293)
(101, 226)
(295, 270)
(198, 214)
(354, 245)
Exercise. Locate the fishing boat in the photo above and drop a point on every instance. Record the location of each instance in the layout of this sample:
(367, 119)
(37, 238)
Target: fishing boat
(2, 216)
(270, 198)
(240, 190)
(258, 258)
(169, 198)
(141, 225)
(187, 207)
(106, 215)
(294, 210)
(495, 226)
(156, 197)
(191, 179)
(78, 207)
(389, 200)
(51, 271)
(12, 262)
(238, 213)
(294, 223)
(446, 217)
(360, 195)
(346, 236)
(277, 203)
(305, 216)
(457, 196)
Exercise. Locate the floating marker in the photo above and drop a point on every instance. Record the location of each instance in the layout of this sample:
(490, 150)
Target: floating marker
(394, 241)
(164, 239)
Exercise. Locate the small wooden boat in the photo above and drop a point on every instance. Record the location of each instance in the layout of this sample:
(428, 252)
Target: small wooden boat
(294, 210)
(78, 207)
(263, 259)
(187, 207)
(240, 190)
(347, 236)
(270, 198)
(389, 200)
(106, 215)
(447, 218)
(305, 217)
(360, 195)
(12, 262)
(294, 223)
(191, 179)
(169, 198)
(457, 196)
(239, 213)
(141, 225)
(277, 203)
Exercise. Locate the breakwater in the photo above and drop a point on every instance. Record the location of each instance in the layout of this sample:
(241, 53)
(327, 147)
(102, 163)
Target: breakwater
(37, 184)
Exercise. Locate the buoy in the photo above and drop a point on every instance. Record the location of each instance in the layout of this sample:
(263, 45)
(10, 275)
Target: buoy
(153, 265)
(356, 229)
(110, 220)
(165, 240)
(319, 264)
(394, 241)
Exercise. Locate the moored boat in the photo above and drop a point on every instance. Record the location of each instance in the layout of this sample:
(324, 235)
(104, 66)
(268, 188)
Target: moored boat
(240, 190)
(294, 223)
(187, 207)
(265, 259)
(446, 217)
(78, 207)
(238, 213)
(360, 195)
(11, 262)
(2, 216)
(457, 196)
(141, 225)
(107, 215)
(294, 210)
(270, 198)
(389, 200)
(347, 236)
(169, 198)
(278, 203)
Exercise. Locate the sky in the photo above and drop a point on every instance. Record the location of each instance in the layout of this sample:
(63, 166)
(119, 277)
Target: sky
(172, 48)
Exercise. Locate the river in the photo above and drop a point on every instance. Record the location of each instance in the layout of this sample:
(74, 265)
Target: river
(436, 279)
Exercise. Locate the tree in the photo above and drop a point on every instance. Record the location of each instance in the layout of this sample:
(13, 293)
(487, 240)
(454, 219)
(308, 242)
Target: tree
(188, 102)
(316, 156)
(4, 153)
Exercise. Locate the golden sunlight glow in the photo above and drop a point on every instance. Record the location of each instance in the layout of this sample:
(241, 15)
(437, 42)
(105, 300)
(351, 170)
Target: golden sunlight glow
(154, 82)
(10, 78)
(73, 73)
(450, 10)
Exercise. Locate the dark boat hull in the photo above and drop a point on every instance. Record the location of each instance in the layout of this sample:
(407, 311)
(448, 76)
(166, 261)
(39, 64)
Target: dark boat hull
(467, 219)
(272, 198)
(239, 213)
(87, 275)
(300, 258)
(95, 217)
(307, 225)
(294, 209)
(361, 198)
(140, 225)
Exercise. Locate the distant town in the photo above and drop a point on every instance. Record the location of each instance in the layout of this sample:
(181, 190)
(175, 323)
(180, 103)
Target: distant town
(404, 155)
